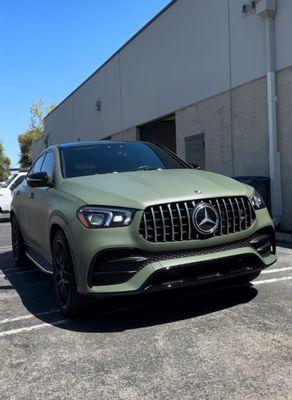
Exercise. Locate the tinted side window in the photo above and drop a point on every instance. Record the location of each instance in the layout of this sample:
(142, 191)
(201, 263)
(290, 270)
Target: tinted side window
(49, 163)
(37, 165)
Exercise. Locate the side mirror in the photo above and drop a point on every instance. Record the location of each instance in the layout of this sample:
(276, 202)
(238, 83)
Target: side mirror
(195, 166)
(38, 179)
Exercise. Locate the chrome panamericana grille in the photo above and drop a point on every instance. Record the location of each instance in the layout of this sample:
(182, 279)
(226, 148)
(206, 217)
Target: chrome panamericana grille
(173, 221)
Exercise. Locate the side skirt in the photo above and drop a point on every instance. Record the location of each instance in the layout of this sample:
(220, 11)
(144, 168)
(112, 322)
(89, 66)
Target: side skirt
(40, 261)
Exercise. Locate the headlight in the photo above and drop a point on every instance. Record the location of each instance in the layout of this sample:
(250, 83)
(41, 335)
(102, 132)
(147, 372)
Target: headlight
(105, 217)
(257, 201)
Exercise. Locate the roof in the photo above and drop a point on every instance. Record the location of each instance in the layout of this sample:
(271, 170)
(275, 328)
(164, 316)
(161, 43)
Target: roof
(117, 52)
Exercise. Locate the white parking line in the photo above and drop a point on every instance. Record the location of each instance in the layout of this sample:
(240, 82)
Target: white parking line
(7, 271)
(271, 271)
(30, 328)
(7, 275)
(5, 248)
(28, 316)
(283, 250)
(61, 322)
(284, 278)
(64, 321)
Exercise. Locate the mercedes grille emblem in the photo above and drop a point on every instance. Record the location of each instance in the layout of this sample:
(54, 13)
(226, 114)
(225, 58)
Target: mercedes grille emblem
(205, 218)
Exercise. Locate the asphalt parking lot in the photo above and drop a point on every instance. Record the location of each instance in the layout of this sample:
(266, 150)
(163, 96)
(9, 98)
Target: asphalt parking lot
(221, 344)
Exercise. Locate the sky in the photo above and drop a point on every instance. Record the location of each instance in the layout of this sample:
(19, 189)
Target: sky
(49, 47)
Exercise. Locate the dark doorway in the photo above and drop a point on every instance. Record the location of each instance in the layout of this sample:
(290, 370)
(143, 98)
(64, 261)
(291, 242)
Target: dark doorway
(195, 149)
(160, 132)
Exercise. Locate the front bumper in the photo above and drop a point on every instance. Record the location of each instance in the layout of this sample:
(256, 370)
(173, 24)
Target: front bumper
(167, 264)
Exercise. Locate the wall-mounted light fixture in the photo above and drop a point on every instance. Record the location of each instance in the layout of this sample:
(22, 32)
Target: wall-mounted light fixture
(248, 7)
(98, 105)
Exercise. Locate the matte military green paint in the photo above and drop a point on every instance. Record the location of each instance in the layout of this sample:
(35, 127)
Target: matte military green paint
(138, 190)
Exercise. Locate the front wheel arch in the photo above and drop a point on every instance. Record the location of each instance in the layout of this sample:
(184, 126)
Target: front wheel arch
(64, 276)
(58, 224)
(53, 231)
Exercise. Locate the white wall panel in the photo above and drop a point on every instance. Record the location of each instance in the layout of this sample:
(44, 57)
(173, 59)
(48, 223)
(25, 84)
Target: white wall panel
(59, 124)
(104, 86)
(283, 26)
(179, 59)
(247, 37)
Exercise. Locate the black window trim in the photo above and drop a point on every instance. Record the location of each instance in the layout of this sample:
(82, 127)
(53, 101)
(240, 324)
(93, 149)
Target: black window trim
(45, 153)
(174, 155)
(31, 168)
(19, 177)
(62, 162)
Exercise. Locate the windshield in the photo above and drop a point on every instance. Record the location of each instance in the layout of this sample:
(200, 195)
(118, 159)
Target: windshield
(102, 158)
(8, 181)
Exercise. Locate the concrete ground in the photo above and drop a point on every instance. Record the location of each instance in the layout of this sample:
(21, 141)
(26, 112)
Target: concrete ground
(224, 344)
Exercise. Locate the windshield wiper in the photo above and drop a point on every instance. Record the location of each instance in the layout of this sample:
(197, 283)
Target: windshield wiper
(146, 168)
(142, 168)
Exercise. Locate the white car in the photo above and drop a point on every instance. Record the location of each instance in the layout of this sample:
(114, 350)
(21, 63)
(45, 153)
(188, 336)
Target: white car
(7, 188)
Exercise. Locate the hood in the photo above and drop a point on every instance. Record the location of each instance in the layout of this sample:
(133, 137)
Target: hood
(139, 189)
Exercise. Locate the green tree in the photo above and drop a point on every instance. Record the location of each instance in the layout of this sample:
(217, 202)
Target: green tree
(34, 132)
(4, 164)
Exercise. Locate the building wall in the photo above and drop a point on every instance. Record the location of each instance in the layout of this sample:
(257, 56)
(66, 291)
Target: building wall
(77, 117)
(194, 50)
(127, 134)
(37, 147)
(235, 127)
(235, 124)
(250, 129)
(211, 117)
(284, 94)
(205, 62)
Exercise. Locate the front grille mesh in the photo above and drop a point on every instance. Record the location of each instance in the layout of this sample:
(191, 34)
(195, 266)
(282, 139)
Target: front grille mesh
(173, 221)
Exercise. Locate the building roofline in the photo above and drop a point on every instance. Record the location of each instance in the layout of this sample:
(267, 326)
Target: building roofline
(172, 2)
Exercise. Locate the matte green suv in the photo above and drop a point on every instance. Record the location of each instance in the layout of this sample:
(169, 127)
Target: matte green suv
(112, 218)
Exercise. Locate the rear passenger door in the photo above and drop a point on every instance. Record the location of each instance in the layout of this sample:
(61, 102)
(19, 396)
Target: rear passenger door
(40, 208)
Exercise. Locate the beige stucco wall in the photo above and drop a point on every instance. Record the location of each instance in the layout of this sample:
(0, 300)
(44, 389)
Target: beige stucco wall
(250, 129)
(284, 88)
(211, 116)
(235, 124)
(235, 127)
(127, 134)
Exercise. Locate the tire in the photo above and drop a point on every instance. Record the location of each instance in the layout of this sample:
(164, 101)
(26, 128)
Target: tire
(72, 304)
(18, 246)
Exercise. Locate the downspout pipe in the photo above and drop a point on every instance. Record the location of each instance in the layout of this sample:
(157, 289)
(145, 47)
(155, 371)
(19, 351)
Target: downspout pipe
(267, 9)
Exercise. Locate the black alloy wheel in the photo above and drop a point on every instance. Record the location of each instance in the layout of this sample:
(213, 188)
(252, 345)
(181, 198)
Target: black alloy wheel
(72, 303)
(62, 273)
(18, 246)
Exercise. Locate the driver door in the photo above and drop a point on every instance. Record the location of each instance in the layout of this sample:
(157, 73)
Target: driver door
(40, 208)
(23, 200)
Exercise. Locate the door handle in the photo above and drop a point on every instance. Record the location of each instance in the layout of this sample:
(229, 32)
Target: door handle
(31, 195)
